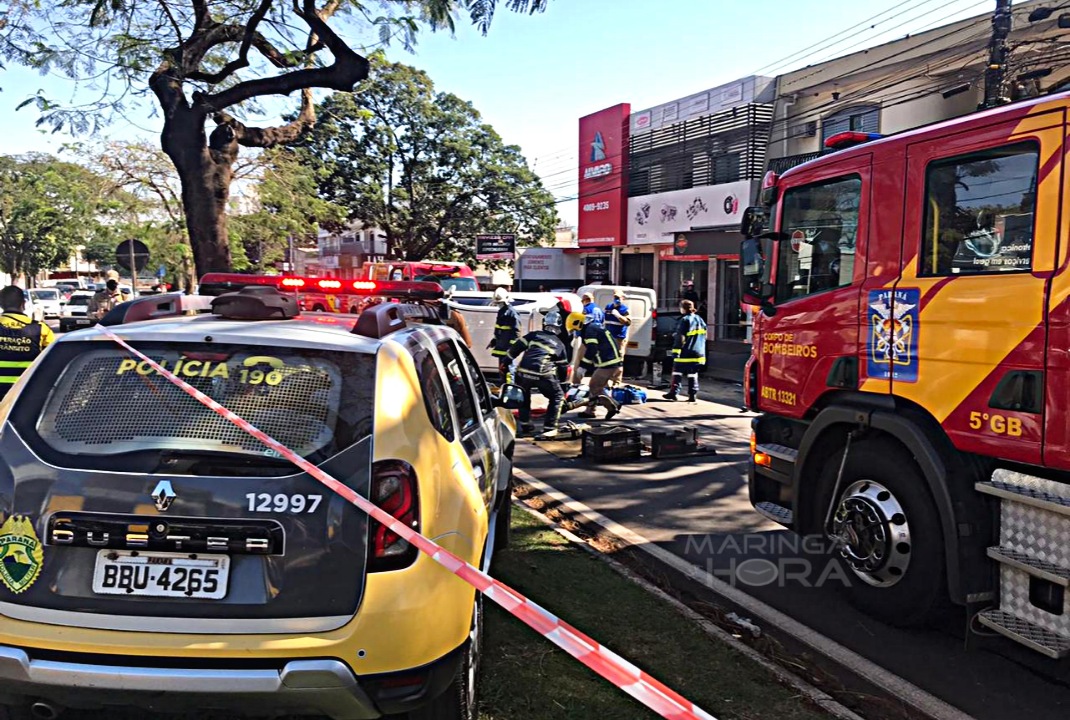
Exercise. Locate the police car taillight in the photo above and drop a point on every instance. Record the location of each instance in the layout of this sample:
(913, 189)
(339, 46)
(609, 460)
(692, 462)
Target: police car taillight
(393, 489)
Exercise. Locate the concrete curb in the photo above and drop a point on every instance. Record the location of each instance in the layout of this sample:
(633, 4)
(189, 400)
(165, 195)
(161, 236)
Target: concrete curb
(819, 698)
(919, 701)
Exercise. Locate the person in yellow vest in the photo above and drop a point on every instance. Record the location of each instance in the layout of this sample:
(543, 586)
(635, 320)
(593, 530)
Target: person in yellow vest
(21, 338)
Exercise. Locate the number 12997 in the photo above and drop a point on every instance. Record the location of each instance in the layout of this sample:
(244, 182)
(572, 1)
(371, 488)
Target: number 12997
(282, 503)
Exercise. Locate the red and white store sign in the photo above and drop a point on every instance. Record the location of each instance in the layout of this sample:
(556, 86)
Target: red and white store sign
(603, 177)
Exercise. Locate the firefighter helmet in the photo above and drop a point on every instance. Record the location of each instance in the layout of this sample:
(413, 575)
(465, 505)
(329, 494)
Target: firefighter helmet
(575, 321)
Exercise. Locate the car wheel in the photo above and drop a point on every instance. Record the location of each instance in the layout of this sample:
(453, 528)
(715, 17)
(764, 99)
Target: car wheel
(459, 702)
(892, 546)
(504, 520)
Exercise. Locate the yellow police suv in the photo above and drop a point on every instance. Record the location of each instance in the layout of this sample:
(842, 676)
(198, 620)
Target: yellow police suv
(155, 556)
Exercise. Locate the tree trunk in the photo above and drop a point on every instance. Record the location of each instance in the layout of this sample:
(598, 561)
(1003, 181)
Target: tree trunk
(205, 169)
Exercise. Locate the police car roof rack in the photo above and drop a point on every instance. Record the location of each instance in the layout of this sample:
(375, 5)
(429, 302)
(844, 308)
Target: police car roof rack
(256, 302)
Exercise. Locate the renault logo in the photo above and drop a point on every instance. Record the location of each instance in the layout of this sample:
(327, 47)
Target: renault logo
(164, 495)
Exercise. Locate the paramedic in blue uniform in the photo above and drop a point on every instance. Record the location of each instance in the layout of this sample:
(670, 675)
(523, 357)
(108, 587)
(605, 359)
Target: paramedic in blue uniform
(21, 338)
(592, 310)
(688, 350)
(542, 367)
(617, 320)
(600, 359)
(506, 332)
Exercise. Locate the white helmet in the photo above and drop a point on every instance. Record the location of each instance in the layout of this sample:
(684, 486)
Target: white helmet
(501, 296)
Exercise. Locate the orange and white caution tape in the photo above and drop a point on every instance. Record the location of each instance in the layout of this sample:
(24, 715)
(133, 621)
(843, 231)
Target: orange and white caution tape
(605, 662)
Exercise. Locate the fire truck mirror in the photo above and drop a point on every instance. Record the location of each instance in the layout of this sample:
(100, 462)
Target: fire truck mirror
(752, 279)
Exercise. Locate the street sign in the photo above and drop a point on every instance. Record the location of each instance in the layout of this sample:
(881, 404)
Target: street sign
(797, 239)
(132, 251)
(495, 247)
(162, 272)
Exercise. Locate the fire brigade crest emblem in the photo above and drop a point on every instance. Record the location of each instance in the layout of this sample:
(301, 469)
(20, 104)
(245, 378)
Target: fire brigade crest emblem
(893, 334)
(21, 556)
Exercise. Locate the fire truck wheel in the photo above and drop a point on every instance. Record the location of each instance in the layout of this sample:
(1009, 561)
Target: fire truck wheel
(889, 533)
(318, 308)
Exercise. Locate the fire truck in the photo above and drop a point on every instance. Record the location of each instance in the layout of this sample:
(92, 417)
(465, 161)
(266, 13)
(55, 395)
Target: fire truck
(448, 274)
(911, 365)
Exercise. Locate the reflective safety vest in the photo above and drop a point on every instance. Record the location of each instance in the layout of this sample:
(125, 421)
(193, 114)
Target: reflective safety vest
(689, 342)
(20, 344)
(618, 329)
(506, 331)
(543, 352)
(600, 349)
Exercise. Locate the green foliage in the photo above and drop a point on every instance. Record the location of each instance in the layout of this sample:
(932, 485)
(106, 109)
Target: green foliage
(211, 61)
(47, 207)
(289, 207)
(111, 47)
(423, 167)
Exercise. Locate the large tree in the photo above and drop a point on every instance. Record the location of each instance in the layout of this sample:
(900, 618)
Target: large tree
(423, 167)
(211, 61)
(47, 208)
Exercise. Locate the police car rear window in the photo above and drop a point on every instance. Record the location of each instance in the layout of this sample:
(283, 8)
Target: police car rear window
(101, 401)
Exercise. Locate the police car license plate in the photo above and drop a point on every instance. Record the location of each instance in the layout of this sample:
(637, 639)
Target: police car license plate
(160, 574)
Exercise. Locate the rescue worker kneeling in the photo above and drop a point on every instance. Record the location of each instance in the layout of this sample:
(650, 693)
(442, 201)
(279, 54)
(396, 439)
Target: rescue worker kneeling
(601, 358)
(21, 338)
(543, 366)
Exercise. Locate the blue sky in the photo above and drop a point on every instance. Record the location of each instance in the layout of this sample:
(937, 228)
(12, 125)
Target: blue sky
(532, 77)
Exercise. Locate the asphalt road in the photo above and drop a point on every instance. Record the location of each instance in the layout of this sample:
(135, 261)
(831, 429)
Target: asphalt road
(697, 508)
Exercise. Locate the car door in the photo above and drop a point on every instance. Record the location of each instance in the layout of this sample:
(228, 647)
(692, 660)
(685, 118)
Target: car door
(824, 214)
(985, 238)
(476, 425)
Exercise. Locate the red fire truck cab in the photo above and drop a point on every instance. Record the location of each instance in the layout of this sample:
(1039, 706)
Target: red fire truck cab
(911, 363)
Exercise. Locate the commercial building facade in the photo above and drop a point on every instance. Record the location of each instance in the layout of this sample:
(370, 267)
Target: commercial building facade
(689, 167)
(662, 192)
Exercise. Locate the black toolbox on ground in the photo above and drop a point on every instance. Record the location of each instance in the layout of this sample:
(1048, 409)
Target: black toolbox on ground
(674, 442)
(615, 442)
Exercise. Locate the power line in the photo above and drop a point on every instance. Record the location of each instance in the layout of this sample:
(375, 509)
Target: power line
(832, 39)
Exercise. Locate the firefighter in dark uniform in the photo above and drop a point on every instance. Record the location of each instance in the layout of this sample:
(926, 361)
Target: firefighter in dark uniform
(543, 367)
(21, 338)
(689, 351)
(506, 332)
(601, 359)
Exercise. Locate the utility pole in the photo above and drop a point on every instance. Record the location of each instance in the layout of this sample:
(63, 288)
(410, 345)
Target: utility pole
(997, 56)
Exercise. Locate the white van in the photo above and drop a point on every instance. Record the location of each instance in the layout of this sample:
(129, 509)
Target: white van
(480, 312)
(641, 304)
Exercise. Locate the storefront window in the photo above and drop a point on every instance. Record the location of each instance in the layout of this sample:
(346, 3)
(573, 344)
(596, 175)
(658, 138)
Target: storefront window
(637, 270)
(597, 269)
(684, 280)
(732, 318)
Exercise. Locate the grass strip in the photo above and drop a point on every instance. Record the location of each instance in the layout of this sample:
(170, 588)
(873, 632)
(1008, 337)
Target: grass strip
(525, 677)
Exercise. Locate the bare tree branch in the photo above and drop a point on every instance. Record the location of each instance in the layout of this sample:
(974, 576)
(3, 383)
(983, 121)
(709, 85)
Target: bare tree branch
(249, 34)
(348, 69)
(200, 14)
(268, 137)
(171, 17)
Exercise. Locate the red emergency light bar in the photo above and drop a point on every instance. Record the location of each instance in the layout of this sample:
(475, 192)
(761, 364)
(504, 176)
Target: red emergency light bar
(839, 141)
(219, 283)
